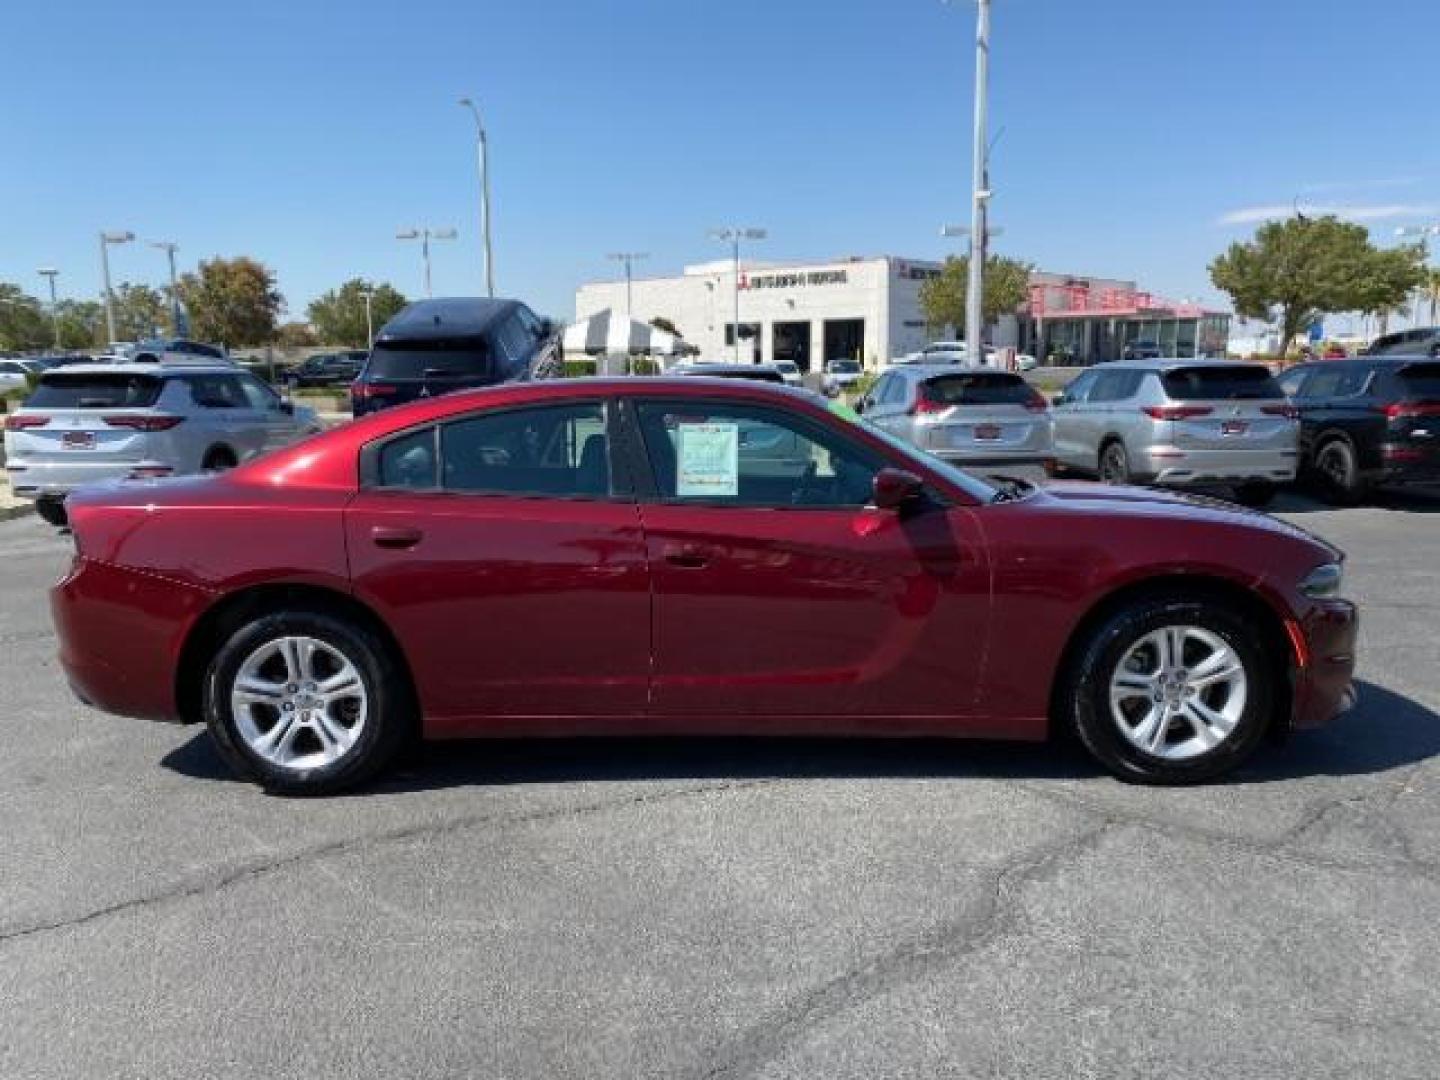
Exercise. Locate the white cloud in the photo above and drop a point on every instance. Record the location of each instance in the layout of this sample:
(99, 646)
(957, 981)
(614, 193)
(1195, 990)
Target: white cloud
(1251, 215)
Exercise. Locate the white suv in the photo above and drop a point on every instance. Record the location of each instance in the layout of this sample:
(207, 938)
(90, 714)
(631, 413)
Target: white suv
(92, 422)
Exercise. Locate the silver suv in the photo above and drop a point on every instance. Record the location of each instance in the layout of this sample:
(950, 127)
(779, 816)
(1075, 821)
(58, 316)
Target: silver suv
(1180, 423)
(966, 415)
(90, 422)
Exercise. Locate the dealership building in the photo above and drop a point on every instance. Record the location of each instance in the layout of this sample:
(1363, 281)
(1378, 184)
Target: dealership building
(868, 309)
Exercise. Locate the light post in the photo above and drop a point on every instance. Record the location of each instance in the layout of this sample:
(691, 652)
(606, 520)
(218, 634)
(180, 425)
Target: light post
(369, 295)
(977, 251)
(732, 236)
(425, 236)
(482, 150)
(628, 258)
(979, 189)
(106, 239)
(51, 273)
(170, 248)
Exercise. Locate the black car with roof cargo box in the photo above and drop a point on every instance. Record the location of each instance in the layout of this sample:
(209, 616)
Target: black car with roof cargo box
(437, 346)
(1370, 421)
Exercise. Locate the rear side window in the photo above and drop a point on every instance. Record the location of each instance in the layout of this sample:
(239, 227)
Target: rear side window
(98, 391)
(1116, 384)
(556, 450)
(978, 388)
(1231, 382)
(409, 461)
(1419, 380)
(430, 360)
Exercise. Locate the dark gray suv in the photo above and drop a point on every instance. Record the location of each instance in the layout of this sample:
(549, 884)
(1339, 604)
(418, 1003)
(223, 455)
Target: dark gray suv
(1423, 341)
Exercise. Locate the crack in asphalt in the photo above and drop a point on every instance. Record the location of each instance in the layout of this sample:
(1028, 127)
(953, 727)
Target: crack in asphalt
(997, 916)
(264, 868)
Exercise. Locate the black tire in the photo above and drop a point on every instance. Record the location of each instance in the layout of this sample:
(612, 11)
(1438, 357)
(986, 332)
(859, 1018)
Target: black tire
(1338, 472)
(389, 715)
(1114, 465)
(1258, 494)
(1084, 699)
(218, 459)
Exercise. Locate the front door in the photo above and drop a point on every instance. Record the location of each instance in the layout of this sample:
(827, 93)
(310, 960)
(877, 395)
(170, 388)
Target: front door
(510, 567)
(783, 601)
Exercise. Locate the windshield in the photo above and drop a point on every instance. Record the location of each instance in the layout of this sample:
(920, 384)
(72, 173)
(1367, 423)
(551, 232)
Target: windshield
(94, 391)
(429, 359)
(979, 388)
(1229, 382)
(975, 487)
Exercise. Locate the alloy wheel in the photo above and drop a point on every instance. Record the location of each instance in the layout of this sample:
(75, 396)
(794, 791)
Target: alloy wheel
(1178, 692)
(299, 703)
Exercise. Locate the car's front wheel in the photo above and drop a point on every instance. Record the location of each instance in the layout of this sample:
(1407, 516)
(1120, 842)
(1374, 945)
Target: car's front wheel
(305, 703)
(1171, 691)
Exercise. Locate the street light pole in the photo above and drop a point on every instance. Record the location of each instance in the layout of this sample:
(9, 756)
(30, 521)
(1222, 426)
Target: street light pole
(628, 258)
(106, 239)
(482, 150)
(732, 236)
(974, 332)
(170, 248)
(369, 321)
(50, 273)
(425, 236)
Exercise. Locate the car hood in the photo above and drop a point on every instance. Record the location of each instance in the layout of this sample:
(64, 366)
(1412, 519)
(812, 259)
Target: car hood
(1171, 505)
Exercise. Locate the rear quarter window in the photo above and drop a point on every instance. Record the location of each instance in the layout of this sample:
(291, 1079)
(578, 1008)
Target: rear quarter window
(1419, 380)
(120, 390)
(1227, 383)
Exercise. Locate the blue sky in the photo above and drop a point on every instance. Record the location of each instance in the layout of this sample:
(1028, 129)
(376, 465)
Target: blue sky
(306, 133)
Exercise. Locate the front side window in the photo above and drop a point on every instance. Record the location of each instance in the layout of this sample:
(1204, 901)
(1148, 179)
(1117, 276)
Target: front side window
(747, 455)
(556, 450)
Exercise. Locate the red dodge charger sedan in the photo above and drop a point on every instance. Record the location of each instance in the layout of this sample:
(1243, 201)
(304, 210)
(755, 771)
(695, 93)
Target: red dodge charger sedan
(685, 556)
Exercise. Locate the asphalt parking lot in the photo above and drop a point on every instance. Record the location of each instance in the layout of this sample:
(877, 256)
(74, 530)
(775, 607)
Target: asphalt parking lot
(730, 908)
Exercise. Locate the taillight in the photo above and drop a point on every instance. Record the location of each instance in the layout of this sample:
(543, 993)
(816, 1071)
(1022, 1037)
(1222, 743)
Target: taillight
(143, 423)
(1290, 412)
(20, 423)
(365, 390)
(1176, 412)
(1399, 409)
(1037, 402)
(924, 404)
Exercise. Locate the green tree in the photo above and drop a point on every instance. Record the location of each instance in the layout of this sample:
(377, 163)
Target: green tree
(1006, 288)
(295, 335)
(140, 311)
(232, 301)
(1430, 291)
(24, 323)
(82, 323)
(339, 315)
(1301, 268)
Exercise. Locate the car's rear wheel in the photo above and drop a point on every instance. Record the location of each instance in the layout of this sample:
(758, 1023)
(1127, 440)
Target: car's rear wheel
(305, 703)
(1171, 691)
(1114, 463)
(1339, 472)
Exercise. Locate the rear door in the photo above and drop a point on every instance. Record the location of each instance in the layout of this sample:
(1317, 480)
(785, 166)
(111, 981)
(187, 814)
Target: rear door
(226, 414)
(783, 601)
(984, 412)
(1229, 407)
(504, 550)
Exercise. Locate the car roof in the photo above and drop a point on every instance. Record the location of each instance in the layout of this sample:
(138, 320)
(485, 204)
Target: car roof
(448, 317)
(928, 370)
(132, 368)
(1169, 363)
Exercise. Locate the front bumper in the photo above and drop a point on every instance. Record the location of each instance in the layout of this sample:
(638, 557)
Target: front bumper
(1325, 662)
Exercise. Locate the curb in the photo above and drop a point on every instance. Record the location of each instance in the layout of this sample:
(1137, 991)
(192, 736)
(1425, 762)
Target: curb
(19, 510)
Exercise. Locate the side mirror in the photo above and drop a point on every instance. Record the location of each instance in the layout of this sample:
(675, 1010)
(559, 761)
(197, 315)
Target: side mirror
(893, 488)
(287, 406)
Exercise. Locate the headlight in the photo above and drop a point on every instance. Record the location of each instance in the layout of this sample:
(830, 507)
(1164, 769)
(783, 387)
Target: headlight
(1323, 583)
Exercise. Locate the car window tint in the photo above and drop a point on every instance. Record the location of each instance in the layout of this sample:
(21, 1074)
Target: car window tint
(1080, 387)
(978, 388)
(98, 391)
(530, 322)
(557, 450)
(409, 461)
(746, 455)
(896, 392)
(1420, 380)
(1114, 385)
(1293, 381)
(216, 392)
(257, 394)
(1225, 382)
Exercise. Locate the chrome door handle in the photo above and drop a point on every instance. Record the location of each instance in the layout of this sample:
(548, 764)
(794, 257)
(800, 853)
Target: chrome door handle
(395, 536)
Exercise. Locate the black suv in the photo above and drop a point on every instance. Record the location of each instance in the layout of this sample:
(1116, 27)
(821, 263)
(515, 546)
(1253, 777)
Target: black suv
(1424, 341)
(435, 346)
(327, 369)
(1367, 421)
